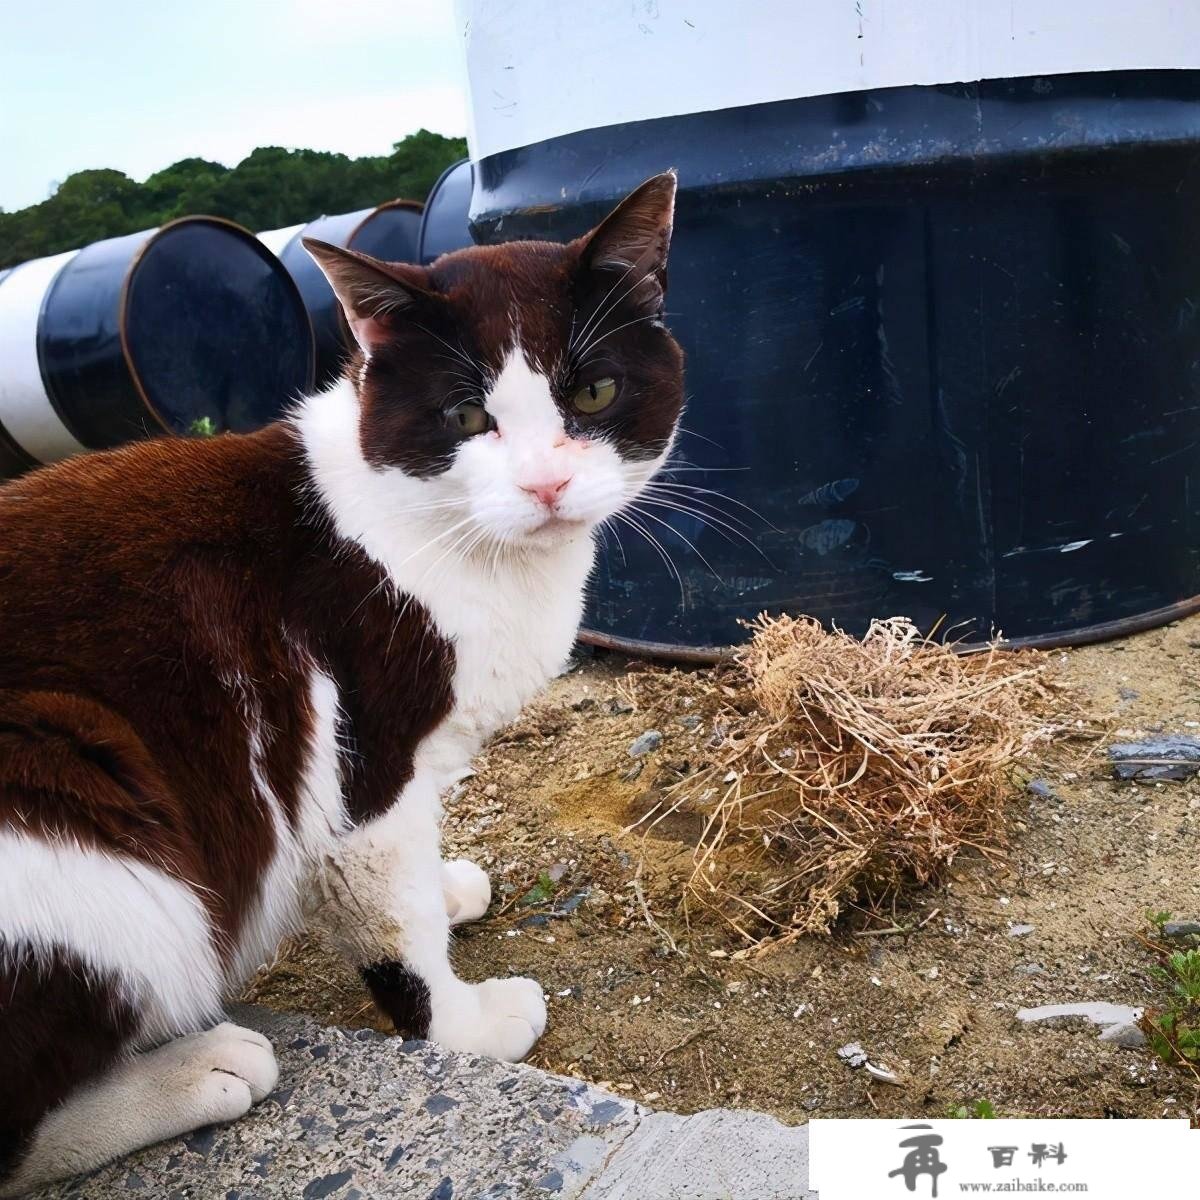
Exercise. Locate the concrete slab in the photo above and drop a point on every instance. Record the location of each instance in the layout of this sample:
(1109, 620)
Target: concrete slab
(358, 1116)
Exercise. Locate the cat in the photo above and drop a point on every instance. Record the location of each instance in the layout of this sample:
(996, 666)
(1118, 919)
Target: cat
(237, 674)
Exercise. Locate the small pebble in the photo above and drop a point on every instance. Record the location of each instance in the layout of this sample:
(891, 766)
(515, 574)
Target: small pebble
(853, 1055)
(1181, 929)
(650, 740)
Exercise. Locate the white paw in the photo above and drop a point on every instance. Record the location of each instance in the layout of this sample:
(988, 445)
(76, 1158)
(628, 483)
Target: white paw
(467, 889)
(216, 1075)
(499, 1017)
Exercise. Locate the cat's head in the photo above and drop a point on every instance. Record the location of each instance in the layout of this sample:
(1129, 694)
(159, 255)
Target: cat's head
(531, 386)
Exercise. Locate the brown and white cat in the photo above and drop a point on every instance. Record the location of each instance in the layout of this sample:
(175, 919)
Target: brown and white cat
(237, 675)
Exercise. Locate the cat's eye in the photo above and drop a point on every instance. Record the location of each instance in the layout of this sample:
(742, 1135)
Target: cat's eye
(470, 418)
(595, 397)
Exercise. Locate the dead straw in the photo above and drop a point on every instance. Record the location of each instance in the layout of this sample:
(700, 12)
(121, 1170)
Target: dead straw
(852, 769)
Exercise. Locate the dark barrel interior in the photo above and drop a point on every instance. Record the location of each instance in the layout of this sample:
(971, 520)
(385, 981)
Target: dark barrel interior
(391, 232)
(155, 331)
(945, 340)
(444, 225)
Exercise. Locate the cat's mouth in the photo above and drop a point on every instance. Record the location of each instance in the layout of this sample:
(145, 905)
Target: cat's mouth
(554, 523)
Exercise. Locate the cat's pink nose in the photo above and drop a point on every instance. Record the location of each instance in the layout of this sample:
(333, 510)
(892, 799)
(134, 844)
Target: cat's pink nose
(549, 492)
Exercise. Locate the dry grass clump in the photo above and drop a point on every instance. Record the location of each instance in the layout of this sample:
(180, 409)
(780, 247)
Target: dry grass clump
(849, 769)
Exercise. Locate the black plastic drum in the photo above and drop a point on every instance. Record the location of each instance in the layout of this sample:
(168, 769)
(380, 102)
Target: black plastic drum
(146, 334)
(389, 232)
(946, 340)
(444, 226)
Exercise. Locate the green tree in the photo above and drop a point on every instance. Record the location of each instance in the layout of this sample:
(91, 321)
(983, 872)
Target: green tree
(270, 188)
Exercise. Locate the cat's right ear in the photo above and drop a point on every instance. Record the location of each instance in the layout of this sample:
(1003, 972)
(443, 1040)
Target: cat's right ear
(373, 294)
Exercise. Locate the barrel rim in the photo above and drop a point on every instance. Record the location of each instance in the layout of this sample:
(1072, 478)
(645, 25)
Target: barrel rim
(11, 449)
(1083, 635)
(417, 206)
(127, 284)
(401, 202)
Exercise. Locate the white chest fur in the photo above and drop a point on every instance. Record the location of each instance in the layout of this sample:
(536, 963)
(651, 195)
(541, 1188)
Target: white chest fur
(511, 633)
(511, 619)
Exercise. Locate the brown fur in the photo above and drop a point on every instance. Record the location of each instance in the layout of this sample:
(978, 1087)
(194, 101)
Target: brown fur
(135, 587)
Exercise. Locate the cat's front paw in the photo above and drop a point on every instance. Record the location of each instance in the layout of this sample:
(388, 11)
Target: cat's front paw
(499, 1017)
(215, 1076)
(467, 890)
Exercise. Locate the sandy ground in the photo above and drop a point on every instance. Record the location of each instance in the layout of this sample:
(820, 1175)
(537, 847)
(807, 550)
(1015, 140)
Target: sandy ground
(692, 1027)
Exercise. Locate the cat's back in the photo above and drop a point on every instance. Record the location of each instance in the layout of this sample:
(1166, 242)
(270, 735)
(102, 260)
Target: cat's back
(101, 555)
(140, 497)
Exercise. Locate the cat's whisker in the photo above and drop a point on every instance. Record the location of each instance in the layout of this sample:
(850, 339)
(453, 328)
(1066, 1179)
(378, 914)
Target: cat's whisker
(715, 519)
(605, 525)
(598, 310)
(626, 519)
(584, 354)
(706, 506)
(601, 316)
(670, 469)
(433, 504)
(711, 508)
(412, 590)
(683, 538)
(709, 522)
(459, 354)
(436, 538)
(700, 436)
(692, 488)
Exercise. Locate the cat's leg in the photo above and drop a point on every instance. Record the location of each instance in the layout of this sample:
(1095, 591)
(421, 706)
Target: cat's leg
(385, 905)
(466, 889)
(103, 955)
(201, 1079)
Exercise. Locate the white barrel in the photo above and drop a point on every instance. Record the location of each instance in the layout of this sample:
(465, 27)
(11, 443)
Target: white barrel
(26, 412)
(143, 334)
(541, 68)
(389, 231)
(928, 268)
(278, 240)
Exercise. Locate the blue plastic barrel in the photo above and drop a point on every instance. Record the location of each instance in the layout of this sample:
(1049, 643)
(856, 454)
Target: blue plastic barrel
(444, 225)
(936, 269)
(389, 231)
(147, 334)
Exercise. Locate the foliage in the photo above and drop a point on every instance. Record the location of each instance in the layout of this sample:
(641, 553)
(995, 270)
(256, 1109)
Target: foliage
(1158, 919)
(269, 189)
(541, 891)
(203, 427)
(1173, 1029)
(982, 1110)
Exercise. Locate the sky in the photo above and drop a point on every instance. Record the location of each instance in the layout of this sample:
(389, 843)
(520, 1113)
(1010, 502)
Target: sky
(137, 86)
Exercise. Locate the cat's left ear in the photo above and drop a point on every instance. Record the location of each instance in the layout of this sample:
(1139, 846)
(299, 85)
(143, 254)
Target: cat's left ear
(373, 294)
(631, 243)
